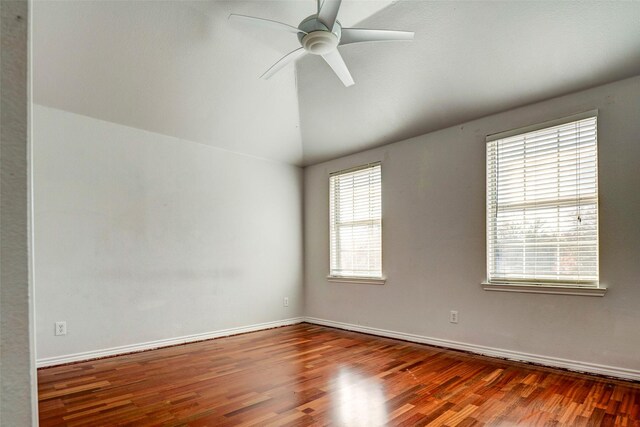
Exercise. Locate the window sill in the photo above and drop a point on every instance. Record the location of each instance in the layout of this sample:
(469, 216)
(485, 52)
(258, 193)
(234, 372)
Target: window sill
(360, 280)
(545, 289)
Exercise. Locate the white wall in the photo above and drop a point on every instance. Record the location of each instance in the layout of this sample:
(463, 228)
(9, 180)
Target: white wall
(142, 237)
(172, 67)
(18, 395)
(434, 242)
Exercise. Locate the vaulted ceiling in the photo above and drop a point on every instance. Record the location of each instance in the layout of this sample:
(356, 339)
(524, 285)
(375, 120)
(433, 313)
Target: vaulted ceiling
(180, 68)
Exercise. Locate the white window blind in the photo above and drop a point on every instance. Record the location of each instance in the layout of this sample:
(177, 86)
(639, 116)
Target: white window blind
(542, 206)
(356, 222)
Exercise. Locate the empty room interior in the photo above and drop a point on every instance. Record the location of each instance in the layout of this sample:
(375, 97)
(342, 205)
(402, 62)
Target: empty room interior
(309, 213)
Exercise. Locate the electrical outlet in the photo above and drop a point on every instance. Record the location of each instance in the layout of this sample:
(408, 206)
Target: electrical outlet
(453, 316)
(285, 302)
(61, 328)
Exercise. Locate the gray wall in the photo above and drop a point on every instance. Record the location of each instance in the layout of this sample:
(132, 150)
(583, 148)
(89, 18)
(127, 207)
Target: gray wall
(434, 242)
(17, 382)
(142, 237)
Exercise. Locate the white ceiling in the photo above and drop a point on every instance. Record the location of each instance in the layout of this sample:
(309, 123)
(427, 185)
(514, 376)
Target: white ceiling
(180, 68)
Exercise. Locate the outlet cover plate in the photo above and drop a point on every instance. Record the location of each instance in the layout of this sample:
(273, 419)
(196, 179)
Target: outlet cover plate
(453, 316)
(61, 328)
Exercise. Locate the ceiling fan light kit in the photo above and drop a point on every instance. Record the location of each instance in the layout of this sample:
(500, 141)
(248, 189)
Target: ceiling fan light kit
(319, 42)
(321, 34)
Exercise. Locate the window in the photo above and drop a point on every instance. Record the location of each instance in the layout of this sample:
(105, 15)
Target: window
(356, 223)
(542, 205)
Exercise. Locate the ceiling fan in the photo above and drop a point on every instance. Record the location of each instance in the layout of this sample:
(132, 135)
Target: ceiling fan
(321, 34)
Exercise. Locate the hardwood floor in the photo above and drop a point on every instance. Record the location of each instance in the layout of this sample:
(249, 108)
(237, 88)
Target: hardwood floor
(311, 375)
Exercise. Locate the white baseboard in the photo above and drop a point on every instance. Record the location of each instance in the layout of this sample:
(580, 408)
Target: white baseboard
(96, 354)
(572, 365)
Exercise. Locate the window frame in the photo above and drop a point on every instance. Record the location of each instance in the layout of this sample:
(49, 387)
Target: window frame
(583, 288)
(369, 280)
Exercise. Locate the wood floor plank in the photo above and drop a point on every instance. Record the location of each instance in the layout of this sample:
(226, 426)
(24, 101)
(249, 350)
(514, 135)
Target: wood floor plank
(308, 375)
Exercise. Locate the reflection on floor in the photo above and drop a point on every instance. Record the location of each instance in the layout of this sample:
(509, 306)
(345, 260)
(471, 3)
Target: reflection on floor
(312, 375)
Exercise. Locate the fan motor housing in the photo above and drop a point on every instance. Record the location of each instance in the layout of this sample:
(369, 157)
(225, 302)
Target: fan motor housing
(319, 40)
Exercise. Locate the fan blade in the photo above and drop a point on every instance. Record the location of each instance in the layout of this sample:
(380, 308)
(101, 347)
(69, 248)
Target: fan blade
(274, 25)
(284, 61)
(335, 61)
(328, 12)
(319, 5)
(361, 35)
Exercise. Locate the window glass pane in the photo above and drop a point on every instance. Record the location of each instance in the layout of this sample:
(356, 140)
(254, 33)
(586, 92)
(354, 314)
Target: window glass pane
(356, 222)
(542, 205)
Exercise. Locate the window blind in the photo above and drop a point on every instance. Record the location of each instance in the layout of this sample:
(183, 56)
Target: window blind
(542, 206)
(356, 222)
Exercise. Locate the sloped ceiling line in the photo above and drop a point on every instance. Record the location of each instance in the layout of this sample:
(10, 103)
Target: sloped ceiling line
(179, 68)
